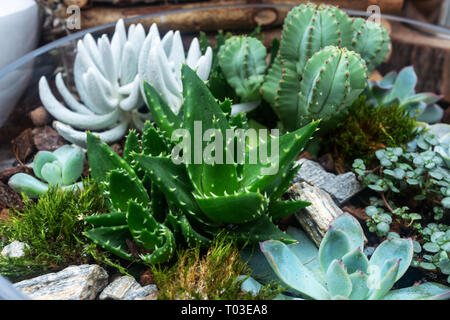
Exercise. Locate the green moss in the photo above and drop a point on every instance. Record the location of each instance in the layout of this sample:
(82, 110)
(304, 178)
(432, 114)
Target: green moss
(210, 276)
(52, 227)
(366, 129)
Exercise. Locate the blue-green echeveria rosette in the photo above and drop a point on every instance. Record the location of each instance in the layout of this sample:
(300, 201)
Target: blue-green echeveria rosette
(340, 270)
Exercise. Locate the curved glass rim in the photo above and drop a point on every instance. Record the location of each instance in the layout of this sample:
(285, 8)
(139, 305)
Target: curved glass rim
(77, 35)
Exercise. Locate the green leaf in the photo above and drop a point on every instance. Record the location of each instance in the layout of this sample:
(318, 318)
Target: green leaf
(112, 239)
(291, 271)
(398, 249)
(123, 187)
(352, 229)
(359, 286)
(355, 260)
(200, 107)
(164, 117)
(260, 176)
(281, 209)
(425, 291)
(334, 246)
(235, 208)
(102, 159)
(338, 281)
(107, 219)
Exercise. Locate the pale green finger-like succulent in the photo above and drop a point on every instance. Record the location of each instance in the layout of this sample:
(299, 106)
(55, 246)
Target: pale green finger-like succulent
(108, 78)
(107, 82)
(340, 270)
(309, 34)
(242, 60)
(160, 64)
(63, 167)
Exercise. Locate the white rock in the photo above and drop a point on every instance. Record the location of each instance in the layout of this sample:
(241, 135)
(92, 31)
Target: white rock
(15, 249)
(126, 288)
(82, 282)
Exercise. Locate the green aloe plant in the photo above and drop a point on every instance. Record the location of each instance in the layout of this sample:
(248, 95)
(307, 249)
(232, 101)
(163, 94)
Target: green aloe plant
(156, 203)
(322, 64)
(340, 270)
(63, 167)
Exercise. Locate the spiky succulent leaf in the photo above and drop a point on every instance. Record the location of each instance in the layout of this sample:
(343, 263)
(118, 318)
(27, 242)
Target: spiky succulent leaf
(123, 188)
(261, 175)
(107, 219)
(260, 230)
(235, 208)
(201, 109)
(143, 227)
(281, 209)
(102, 159)
(112, 239)
(164, 117)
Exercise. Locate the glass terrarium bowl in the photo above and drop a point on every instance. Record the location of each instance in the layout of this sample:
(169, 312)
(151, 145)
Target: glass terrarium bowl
(19, 80)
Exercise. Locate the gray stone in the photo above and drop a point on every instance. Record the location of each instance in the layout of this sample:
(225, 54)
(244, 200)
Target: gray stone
(149, 292)
(15, 249)
(127, 288)
(83, 282)
(341, 187)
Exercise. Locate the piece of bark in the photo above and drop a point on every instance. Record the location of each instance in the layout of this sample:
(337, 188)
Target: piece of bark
(225, 18)
(48, 139)
(23, 146)
(9, 172)
(445, 87)
(9, 198)
(316, 218)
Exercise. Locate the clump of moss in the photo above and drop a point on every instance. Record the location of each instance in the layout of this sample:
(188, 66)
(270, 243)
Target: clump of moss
(367, 128)
(210, 276)
(52, 227)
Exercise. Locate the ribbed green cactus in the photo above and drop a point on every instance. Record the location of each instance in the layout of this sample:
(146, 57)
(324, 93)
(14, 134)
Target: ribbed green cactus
(157, 203)
(242, 60)
(319, 45)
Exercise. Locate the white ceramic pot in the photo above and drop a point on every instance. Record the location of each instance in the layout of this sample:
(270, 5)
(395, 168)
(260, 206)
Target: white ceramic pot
(19, 34)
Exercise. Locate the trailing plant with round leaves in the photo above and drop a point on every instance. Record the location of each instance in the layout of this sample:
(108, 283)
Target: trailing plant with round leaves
(322, 64)
(156, 203)
(400, 88)
(63, 167)
(340, 270)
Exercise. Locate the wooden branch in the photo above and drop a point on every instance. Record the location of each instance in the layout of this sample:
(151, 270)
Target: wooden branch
(221, 18)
